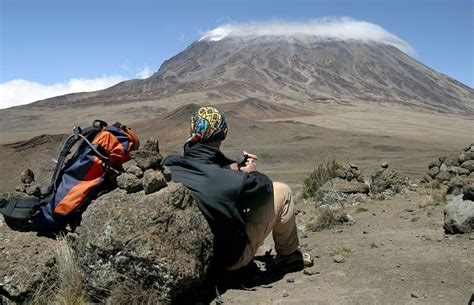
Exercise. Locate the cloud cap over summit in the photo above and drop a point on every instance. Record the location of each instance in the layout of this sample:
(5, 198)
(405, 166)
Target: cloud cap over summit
(343, 28)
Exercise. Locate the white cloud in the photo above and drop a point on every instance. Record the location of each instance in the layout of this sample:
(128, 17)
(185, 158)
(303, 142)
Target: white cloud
(344, 28)
(144, 73)
(20, 91)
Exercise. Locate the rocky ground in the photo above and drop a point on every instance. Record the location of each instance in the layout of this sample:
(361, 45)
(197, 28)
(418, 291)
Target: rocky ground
(396, 252)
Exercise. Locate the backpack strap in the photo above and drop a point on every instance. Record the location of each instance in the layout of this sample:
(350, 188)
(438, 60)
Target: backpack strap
(20, 208)
(79, 134)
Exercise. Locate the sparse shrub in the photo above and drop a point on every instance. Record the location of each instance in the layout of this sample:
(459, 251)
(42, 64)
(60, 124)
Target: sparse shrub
(436, 184)
(332, 198)
(361, 209)
(439, 198)
(328, 219)
(323, 173)
(340, 250)
(435, 198)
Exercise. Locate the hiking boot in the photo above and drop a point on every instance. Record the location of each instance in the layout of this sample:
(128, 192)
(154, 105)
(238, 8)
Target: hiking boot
(293, 262)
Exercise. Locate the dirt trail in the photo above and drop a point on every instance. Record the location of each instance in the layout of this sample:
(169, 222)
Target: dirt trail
(399, 254)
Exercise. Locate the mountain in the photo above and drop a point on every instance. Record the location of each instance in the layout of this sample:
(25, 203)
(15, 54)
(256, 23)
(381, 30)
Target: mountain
(305, 70)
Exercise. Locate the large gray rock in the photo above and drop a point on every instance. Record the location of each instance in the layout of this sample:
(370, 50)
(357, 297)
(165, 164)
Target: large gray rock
(160, 241)
(153, 181)
(386, 179)
(469, 155)
(433, 171)
(343, 186)
(469, 165)
(459, 216)
(427, 178)
(453, 161)
(458, 170)
(27, 176)
(468, 191)
(434, 163)
(146, 159)
(151, 145)
(455, 186)
(444, 176)
(129, 183)
(135, 170)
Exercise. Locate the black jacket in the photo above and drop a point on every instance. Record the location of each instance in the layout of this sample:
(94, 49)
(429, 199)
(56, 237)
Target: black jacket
(222, 194)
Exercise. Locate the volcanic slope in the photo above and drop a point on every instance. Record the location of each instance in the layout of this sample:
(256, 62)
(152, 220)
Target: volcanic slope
(305, 72)
(304, 69)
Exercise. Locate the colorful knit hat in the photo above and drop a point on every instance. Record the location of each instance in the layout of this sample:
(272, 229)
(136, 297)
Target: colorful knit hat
(208, 125)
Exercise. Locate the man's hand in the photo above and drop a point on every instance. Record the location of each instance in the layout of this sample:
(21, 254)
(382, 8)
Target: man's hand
(250, 165)
(250, 156)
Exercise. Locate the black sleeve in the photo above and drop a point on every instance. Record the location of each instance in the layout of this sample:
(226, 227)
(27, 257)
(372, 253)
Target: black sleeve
(257, 188)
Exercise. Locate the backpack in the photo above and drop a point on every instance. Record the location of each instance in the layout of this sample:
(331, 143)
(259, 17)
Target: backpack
(76, 181)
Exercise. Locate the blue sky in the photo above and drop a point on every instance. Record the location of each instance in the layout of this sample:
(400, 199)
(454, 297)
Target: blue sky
(54, 45)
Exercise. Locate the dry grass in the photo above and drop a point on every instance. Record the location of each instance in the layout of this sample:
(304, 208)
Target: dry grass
(361, 209)
(436, 196)
(435, 184)
(323, 173)
(326, 219)
(341, 250)
(71, 287)
(65, 287)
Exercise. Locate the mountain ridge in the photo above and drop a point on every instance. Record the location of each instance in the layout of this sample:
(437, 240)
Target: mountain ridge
(290, 70)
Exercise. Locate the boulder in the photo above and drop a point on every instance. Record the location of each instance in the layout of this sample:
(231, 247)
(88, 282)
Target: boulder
(384, 165)
(434, 163)
(427, 178)
(452, 162)
(433, 171)
(339, 173)
(146, 159)
(387, 179)
(135, 170)
(343, 186)
(443, 168)
(27, 262)
(151, 145)
(444, 176)
(129, 183)
(455, 186)
(468, 191)
(462, 157)
(27, 176)
(469, 165)
(33, 189)
(469, 155)
(21, 188)
(459, 216)
(159, 243)
(458, 170)
(469, 148)
(167, 172)
(153, 181)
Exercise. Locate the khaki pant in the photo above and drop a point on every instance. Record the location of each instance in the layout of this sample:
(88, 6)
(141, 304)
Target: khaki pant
(276, 214)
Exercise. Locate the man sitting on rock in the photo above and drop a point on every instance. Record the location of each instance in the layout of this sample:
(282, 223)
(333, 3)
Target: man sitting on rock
(241, 205)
